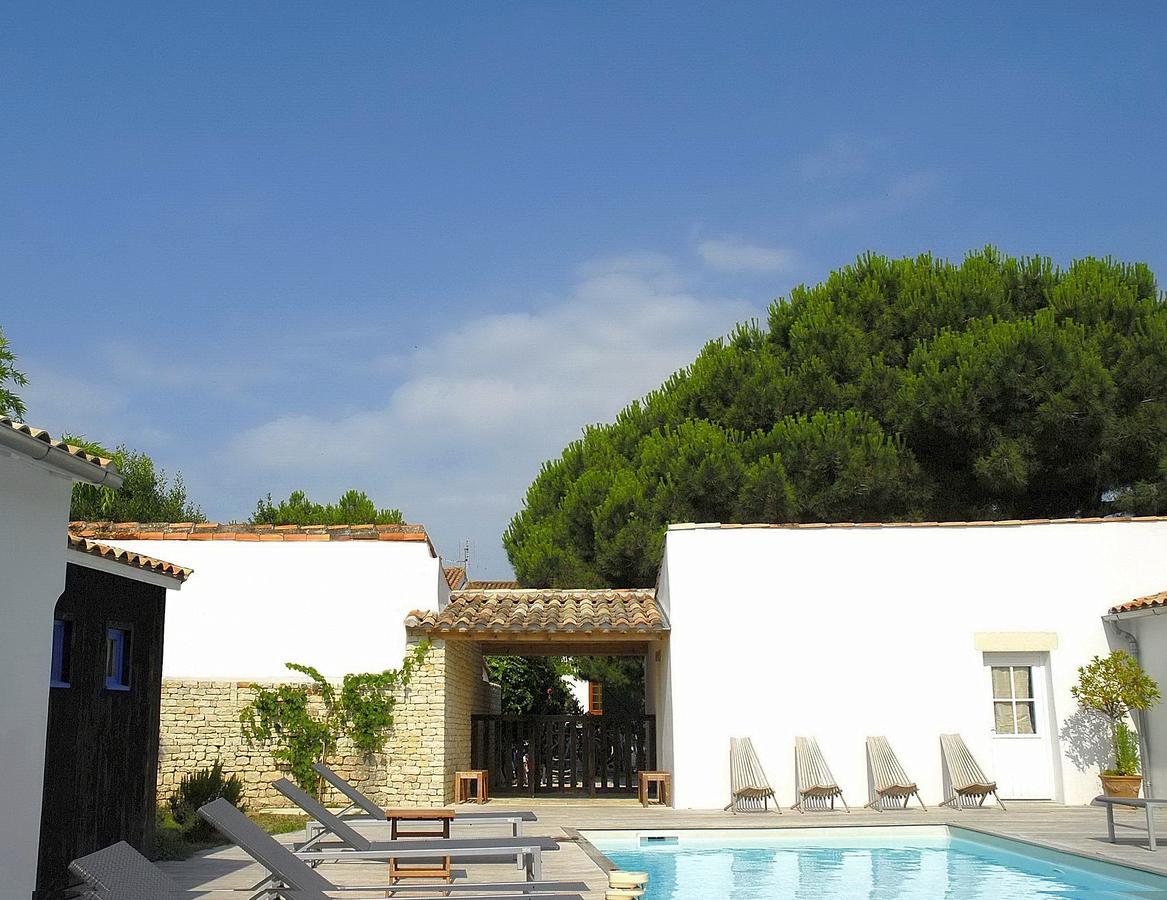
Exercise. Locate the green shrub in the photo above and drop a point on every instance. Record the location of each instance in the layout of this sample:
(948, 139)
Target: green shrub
(1126, 747)
(198, 789)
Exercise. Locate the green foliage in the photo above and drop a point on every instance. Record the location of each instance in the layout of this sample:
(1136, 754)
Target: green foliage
(899, 389)
(353, 508)
(1113, 686)
(622, 678)
(10, 377)
(301, 723)
(172, 842)
(146, 494)
(1126, 751)
(532, 685)
(198, 789)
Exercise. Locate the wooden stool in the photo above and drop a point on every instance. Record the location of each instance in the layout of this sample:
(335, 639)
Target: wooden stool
(439, 827)
(462, 781)
(663, 782)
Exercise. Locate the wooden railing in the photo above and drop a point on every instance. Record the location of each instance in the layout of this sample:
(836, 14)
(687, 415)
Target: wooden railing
(563, 754)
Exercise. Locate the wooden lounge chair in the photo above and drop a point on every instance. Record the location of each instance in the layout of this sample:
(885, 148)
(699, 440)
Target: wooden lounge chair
(813, 778)
(291, 875)
(890, 780)
(965, 777)
(361, 808)
(747, 782)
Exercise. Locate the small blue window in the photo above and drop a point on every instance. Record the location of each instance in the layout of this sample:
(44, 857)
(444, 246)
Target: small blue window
(62, 647)
(117, 659)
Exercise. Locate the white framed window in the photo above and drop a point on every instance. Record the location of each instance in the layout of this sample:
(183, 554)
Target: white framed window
(1014, 704)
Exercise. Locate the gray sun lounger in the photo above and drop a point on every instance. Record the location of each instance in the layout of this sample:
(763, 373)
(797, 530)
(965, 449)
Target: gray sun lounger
(119, 872)
(290, 874)
(814, 781)
(348, 843)
(965, 777)
(888, 777)
(749, 789)
(371, 811)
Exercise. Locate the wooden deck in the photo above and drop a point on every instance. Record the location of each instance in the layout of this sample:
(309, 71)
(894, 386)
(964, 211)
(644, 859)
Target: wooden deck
(1080, 830)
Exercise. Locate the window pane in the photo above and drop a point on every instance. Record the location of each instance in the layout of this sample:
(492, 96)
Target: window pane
(117, 659)
(1025, 718)
(111, 651)
(62, 638)
(1001, 682)
(1022, 682)
(1003, 716)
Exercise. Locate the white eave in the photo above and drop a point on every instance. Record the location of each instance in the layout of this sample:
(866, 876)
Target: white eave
(122, 570)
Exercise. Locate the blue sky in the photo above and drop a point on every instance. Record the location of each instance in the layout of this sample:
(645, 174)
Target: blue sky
(413, 250)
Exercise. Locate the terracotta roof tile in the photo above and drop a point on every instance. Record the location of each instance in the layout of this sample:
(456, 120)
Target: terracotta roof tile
(129, 558)
(1151, 601)
(39, 434)
(545, 611)
(455, 575)
(234, 531)
(492, 585)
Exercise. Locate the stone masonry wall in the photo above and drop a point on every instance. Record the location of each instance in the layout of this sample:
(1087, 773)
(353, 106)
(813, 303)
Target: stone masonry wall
(429, 742)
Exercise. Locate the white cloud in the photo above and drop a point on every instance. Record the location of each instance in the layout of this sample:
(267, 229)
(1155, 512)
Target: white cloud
(840, 157)
(483, 404)
(735, 255)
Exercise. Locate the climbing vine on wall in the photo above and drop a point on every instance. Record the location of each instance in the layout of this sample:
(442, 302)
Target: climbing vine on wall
(301, 723)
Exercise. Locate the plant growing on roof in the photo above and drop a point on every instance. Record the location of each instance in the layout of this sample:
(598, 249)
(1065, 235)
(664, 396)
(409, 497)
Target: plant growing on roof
(302, 722)
(1114, 686)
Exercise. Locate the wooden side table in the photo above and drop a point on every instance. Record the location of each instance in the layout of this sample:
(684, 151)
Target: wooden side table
(664, 787)
(439, 827)
(480, 778)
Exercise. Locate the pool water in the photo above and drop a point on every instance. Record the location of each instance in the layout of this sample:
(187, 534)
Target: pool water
(875, 863)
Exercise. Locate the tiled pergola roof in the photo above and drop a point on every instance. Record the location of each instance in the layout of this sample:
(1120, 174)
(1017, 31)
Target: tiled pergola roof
(544, 611)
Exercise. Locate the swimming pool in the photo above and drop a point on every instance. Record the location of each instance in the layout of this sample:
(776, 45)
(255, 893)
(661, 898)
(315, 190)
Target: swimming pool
(910, 862)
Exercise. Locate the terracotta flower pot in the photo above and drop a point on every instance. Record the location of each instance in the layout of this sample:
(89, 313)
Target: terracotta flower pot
(1121, 785)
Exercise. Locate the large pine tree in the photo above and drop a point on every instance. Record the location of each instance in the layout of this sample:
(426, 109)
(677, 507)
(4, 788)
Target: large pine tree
(894, 390)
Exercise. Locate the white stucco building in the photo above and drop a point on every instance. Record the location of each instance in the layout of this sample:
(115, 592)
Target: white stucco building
(330, 597)
(37, 475)
(840, 632)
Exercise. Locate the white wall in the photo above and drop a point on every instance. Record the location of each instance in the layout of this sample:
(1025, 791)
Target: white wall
(251, 607)
(1151, 632)
(34, 510)
(846, 632)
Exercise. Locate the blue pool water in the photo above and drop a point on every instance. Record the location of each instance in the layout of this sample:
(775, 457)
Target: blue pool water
(878, 863)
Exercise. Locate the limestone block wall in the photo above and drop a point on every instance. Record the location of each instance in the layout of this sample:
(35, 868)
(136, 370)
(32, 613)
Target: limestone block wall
(429, 742)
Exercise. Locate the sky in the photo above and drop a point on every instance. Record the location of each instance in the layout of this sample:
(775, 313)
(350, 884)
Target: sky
(415, 249)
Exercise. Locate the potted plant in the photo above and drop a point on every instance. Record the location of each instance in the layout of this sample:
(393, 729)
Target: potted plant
(1113, 686)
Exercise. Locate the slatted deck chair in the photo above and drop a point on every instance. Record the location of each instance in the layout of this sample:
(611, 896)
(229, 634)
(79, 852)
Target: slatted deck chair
(119, 872)
(339, 841)
(813, 778)
(749, 789)
(288, 873)
(888, 777)
(965, 778)
(361, 808)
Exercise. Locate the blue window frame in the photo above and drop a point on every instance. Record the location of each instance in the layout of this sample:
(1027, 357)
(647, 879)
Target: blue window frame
(62, 651)
(117, 659)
